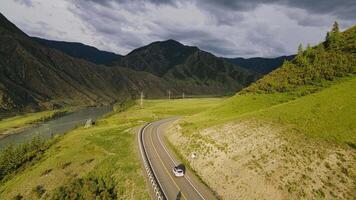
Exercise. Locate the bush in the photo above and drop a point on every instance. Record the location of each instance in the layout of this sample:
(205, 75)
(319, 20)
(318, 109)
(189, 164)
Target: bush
(12, 158)
(18, 197)
(39, 191)
(91, 187)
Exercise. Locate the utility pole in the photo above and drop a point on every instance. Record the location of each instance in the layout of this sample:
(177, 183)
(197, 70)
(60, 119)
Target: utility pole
(169, 94)
(141, 100)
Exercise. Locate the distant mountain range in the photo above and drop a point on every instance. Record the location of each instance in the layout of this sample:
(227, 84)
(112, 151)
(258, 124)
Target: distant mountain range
(79, 50)
(33, 76)
(156, 58)
(38, 73)
(260, 65)
(188, 68)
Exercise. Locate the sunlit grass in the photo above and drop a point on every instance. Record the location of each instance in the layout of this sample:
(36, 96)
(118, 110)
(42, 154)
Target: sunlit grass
(108, 148)
(329, 114)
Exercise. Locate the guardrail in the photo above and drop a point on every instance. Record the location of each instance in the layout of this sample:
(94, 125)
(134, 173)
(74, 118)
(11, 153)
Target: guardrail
(157, 187)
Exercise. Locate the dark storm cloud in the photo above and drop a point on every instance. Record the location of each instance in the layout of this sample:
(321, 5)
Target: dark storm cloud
(200, 38)
(223, 27)
(109, 2)
(104, 16)
(345, 9)
(108, 24)
(25, 2)
(264, 37)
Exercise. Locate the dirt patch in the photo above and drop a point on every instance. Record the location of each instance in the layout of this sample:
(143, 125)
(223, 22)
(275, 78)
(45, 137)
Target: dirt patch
(256, 160)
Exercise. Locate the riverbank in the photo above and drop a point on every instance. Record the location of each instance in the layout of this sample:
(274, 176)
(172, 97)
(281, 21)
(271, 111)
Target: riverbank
(106, 151)
(21, 122)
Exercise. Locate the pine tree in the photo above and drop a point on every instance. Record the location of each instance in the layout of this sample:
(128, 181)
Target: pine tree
(333, 38)
(336, 28)
(300, 50)
(308, 50)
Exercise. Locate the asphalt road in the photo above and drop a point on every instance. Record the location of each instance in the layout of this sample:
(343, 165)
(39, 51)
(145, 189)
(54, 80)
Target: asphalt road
(162, 160)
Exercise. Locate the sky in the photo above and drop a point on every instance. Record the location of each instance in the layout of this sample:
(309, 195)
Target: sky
(228, 28)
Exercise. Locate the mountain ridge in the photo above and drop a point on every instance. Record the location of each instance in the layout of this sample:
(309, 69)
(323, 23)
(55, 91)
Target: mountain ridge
(80, 50)
(260, 64)
(188, 68)
(36, 77)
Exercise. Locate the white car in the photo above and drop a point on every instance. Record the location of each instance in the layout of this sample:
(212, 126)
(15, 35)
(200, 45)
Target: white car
(178, 172)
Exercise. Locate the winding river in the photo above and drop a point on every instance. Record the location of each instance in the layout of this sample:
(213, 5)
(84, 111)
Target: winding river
(58, 125)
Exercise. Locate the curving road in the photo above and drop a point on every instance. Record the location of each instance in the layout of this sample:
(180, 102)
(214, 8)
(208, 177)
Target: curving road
(161, 160)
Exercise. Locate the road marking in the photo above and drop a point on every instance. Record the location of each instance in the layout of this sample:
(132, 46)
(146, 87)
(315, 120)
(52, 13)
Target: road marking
(166, 168)
(160, 141)
(140, 136)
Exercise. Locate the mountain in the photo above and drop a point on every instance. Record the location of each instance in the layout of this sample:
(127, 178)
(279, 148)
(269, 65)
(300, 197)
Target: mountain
(157, 57)
(260, 65)
(33, 76)
(188, 68)
(79, 50)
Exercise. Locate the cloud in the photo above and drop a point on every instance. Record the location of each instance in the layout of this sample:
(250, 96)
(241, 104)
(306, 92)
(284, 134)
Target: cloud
(224, 27)
(27, 3)
(345, 9)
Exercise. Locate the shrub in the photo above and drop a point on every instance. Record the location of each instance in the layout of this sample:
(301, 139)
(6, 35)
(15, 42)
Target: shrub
(39, 191)
(91, 187)
(12, 158)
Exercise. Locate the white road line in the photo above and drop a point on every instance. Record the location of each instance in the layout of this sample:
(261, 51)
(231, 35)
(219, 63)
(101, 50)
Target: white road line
(149, 160)
(160, 141)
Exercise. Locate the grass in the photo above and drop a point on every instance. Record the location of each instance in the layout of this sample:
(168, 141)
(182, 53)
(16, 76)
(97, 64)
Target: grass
(106, 149)
(233, 108)
(329, 114)
(13, 123)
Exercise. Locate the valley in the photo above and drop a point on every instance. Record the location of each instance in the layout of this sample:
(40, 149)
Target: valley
(183, 113)
(108, 150)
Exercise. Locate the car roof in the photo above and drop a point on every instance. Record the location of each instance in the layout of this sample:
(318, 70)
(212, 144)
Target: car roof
(181, 167)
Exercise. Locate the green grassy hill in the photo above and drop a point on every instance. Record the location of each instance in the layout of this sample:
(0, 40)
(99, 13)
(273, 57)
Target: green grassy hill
(290, 135)
(312, 67)
(328, 114)
(314, 92)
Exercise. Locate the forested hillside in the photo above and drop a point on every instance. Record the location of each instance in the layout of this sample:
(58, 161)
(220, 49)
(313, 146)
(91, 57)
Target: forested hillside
(313, 66)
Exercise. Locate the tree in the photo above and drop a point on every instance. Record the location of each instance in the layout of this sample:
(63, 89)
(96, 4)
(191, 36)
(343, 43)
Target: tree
(300, 59)
(333, 38)
(336, 28)
(300, 49)
(308, 50)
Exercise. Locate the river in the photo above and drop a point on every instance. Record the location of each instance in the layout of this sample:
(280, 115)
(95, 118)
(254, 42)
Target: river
(58, 125)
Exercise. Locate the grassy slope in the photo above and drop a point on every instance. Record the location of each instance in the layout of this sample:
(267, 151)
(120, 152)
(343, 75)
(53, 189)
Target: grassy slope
(314, 93)
(275, 146)
(329, 114)
(105, 149)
